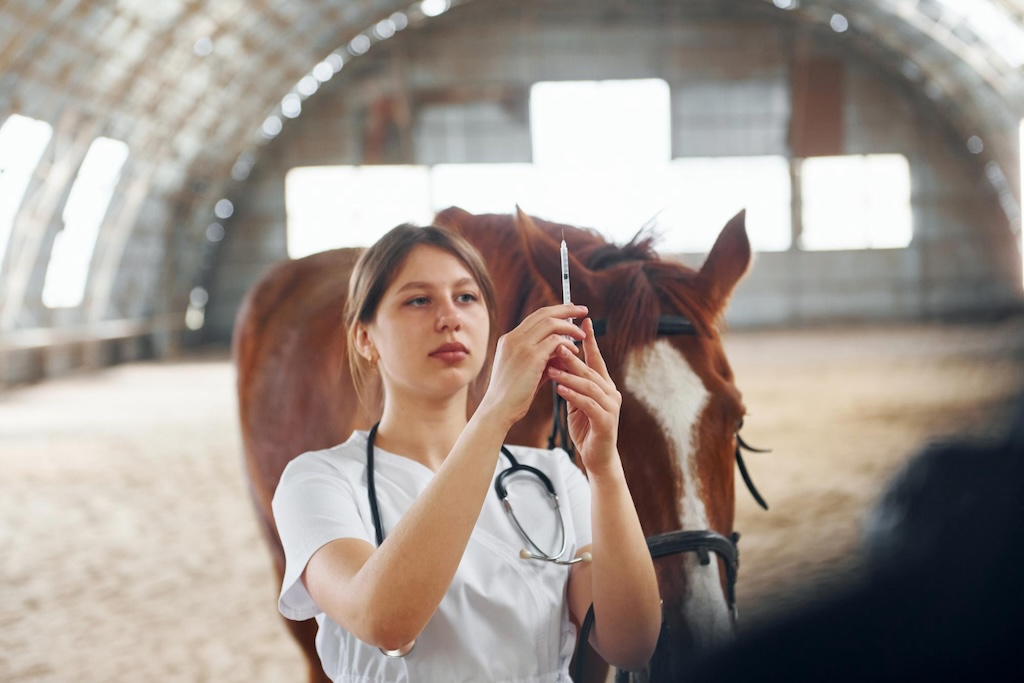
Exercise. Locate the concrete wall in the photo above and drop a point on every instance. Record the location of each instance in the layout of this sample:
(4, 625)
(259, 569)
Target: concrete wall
(460, 87)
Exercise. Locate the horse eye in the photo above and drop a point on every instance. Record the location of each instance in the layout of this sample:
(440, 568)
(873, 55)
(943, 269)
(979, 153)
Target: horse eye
(739, 426)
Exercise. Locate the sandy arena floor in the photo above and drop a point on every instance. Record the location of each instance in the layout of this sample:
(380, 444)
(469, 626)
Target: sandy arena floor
(129, 552)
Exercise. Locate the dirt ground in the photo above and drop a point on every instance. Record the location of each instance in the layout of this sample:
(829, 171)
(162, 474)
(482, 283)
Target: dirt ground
(129, 551)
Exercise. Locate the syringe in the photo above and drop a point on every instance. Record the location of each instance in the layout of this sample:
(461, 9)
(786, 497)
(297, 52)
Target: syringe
(564, 253)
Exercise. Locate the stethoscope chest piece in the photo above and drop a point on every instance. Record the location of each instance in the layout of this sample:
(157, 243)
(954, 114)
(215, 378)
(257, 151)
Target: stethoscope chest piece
(534, 552)
(400, 652)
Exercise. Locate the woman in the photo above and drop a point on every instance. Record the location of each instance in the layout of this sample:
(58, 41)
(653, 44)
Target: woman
(396, 541)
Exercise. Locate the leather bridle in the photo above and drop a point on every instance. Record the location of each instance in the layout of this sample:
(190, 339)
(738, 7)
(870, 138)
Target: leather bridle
(703, 542)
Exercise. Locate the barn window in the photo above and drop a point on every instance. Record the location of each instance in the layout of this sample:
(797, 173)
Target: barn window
(601, 197)
(993, 25)
(602, 123)
(351, 206)
(483, 188)
(73, 247)
(600, 152)
(22, 143)
(856, 202)
(707, 192)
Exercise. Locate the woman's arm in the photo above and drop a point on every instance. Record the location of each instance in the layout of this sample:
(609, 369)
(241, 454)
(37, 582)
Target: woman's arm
(620, 582)
(385, 596)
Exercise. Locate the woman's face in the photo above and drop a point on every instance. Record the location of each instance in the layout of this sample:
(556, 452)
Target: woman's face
(431, 329)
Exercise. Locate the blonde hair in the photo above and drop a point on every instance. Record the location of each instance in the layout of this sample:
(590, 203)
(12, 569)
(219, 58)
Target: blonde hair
(373, 274)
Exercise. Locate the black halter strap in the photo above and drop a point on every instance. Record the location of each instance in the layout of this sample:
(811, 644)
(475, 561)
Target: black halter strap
(741, 444)
(703, 542)
(668, 326)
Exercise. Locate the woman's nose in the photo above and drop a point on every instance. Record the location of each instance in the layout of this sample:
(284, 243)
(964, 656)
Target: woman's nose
(448, 317)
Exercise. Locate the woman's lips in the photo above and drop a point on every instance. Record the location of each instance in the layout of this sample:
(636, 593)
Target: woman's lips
(451, 352)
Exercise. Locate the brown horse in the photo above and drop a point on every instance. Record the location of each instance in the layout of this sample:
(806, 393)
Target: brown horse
(680, 407)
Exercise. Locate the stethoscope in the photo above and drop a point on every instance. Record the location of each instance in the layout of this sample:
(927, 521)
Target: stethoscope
(533, 553)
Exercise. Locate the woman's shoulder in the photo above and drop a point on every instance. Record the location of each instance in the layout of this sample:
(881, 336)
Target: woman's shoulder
(348, 457)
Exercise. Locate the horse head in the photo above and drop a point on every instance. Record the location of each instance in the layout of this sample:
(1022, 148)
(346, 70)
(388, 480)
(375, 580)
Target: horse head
(681, 410)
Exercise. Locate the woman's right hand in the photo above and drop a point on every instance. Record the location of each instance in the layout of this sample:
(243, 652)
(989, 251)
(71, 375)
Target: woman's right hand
(522, 356)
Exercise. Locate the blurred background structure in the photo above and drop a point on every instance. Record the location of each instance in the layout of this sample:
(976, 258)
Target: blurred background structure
(157, 157)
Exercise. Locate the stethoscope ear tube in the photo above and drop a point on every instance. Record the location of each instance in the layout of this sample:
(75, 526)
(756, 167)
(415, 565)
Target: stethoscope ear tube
(371, 488)
(536, 553)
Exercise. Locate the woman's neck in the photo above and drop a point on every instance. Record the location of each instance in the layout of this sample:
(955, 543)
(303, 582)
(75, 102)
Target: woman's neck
(424, 432)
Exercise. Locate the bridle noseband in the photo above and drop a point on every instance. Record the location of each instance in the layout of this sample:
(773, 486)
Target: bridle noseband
(703, 542)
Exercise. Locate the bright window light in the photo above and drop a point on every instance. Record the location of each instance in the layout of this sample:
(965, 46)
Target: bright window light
(22, 143)
(601, 155)
(856, 202)
(600, 122)
(993, 25)
(483, 188)
(687, 201)
(352, 206)
(706, 192)
(68, 270)
(1020, 155)
(614, 201)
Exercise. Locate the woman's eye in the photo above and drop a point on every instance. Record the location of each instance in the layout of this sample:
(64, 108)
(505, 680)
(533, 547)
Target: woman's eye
(418, 301)
(466, 298)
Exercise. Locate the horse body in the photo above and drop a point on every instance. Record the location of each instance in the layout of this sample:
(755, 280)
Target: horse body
(680, 408)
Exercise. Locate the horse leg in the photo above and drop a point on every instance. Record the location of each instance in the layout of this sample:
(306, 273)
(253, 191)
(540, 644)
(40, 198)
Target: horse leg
(304, 633)
(595, 669)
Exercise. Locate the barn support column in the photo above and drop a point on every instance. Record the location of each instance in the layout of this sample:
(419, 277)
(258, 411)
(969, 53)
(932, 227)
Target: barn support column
(1020, 198)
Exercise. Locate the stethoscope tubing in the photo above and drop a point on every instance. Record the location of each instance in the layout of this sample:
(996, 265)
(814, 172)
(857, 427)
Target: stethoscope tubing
(502, 493)
(499, 488)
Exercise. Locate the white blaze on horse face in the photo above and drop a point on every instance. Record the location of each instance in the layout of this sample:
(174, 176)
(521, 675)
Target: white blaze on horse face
(664, 382)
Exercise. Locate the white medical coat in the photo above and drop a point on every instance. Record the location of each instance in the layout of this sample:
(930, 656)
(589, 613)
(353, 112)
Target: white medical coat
(502, 619)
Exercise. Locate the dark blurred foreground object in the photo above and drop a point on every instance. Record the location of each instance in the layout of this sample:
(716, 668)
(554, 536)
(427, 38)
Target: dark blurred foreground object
(944, 595)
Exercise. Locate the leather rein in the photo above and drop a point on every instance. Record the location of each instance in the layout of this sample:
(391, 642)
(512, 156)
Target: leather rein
(703, 542)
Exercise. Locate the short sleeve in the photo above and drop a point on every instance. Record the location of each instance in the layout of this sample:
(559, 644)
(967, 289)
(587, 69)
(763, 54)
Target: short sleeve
(577, 488)
(313, 505)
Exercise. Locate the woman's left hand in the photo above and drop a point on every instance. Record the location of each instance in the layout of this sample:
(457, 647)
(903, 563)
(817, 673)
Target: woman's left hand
(593, 400)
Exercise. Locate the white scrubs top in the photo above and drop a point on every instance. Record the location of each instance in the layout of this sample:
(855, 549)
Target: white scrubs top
(502, 619)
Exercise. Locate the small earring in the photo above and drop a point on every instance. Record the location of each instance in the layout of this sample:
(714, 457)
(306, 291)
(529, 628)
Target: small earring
(373, 362)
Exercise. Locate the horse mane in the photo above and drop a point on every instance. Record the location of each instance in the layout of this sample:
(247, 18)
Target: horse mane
(646, 284)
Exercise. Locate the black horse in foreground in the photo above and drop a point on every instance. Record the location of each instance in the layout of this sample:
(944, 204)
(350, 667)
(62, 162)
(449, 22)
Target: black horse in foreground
(943, 598)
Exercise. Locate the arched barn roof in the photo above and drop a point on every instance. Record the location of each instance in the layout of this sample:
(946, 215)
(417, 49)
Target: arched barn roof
(196, 88)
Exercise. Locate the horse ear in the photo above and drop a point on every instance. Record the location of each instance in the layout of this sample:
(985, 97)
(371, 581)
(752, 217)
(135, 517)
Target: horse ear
(453, 218)
(543, 255)
(728, 261)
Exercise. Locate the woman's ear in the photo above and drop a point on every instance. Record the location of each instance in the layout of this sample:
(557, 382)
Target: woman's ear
(364, 345)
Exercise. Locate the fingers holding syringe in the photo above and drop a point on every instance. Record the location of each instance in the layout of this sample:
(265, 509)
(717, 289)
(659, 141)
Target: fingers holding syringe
(523, 354)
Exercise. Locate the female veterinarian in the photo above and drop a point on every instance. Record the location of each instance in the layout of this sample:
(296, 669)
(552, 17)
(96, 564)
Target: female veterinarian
(399, 541)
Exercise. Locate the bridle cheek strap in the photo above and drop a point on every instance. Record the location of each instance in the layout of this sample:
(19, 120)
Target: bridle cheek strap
(668, 325)
(703, 542)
